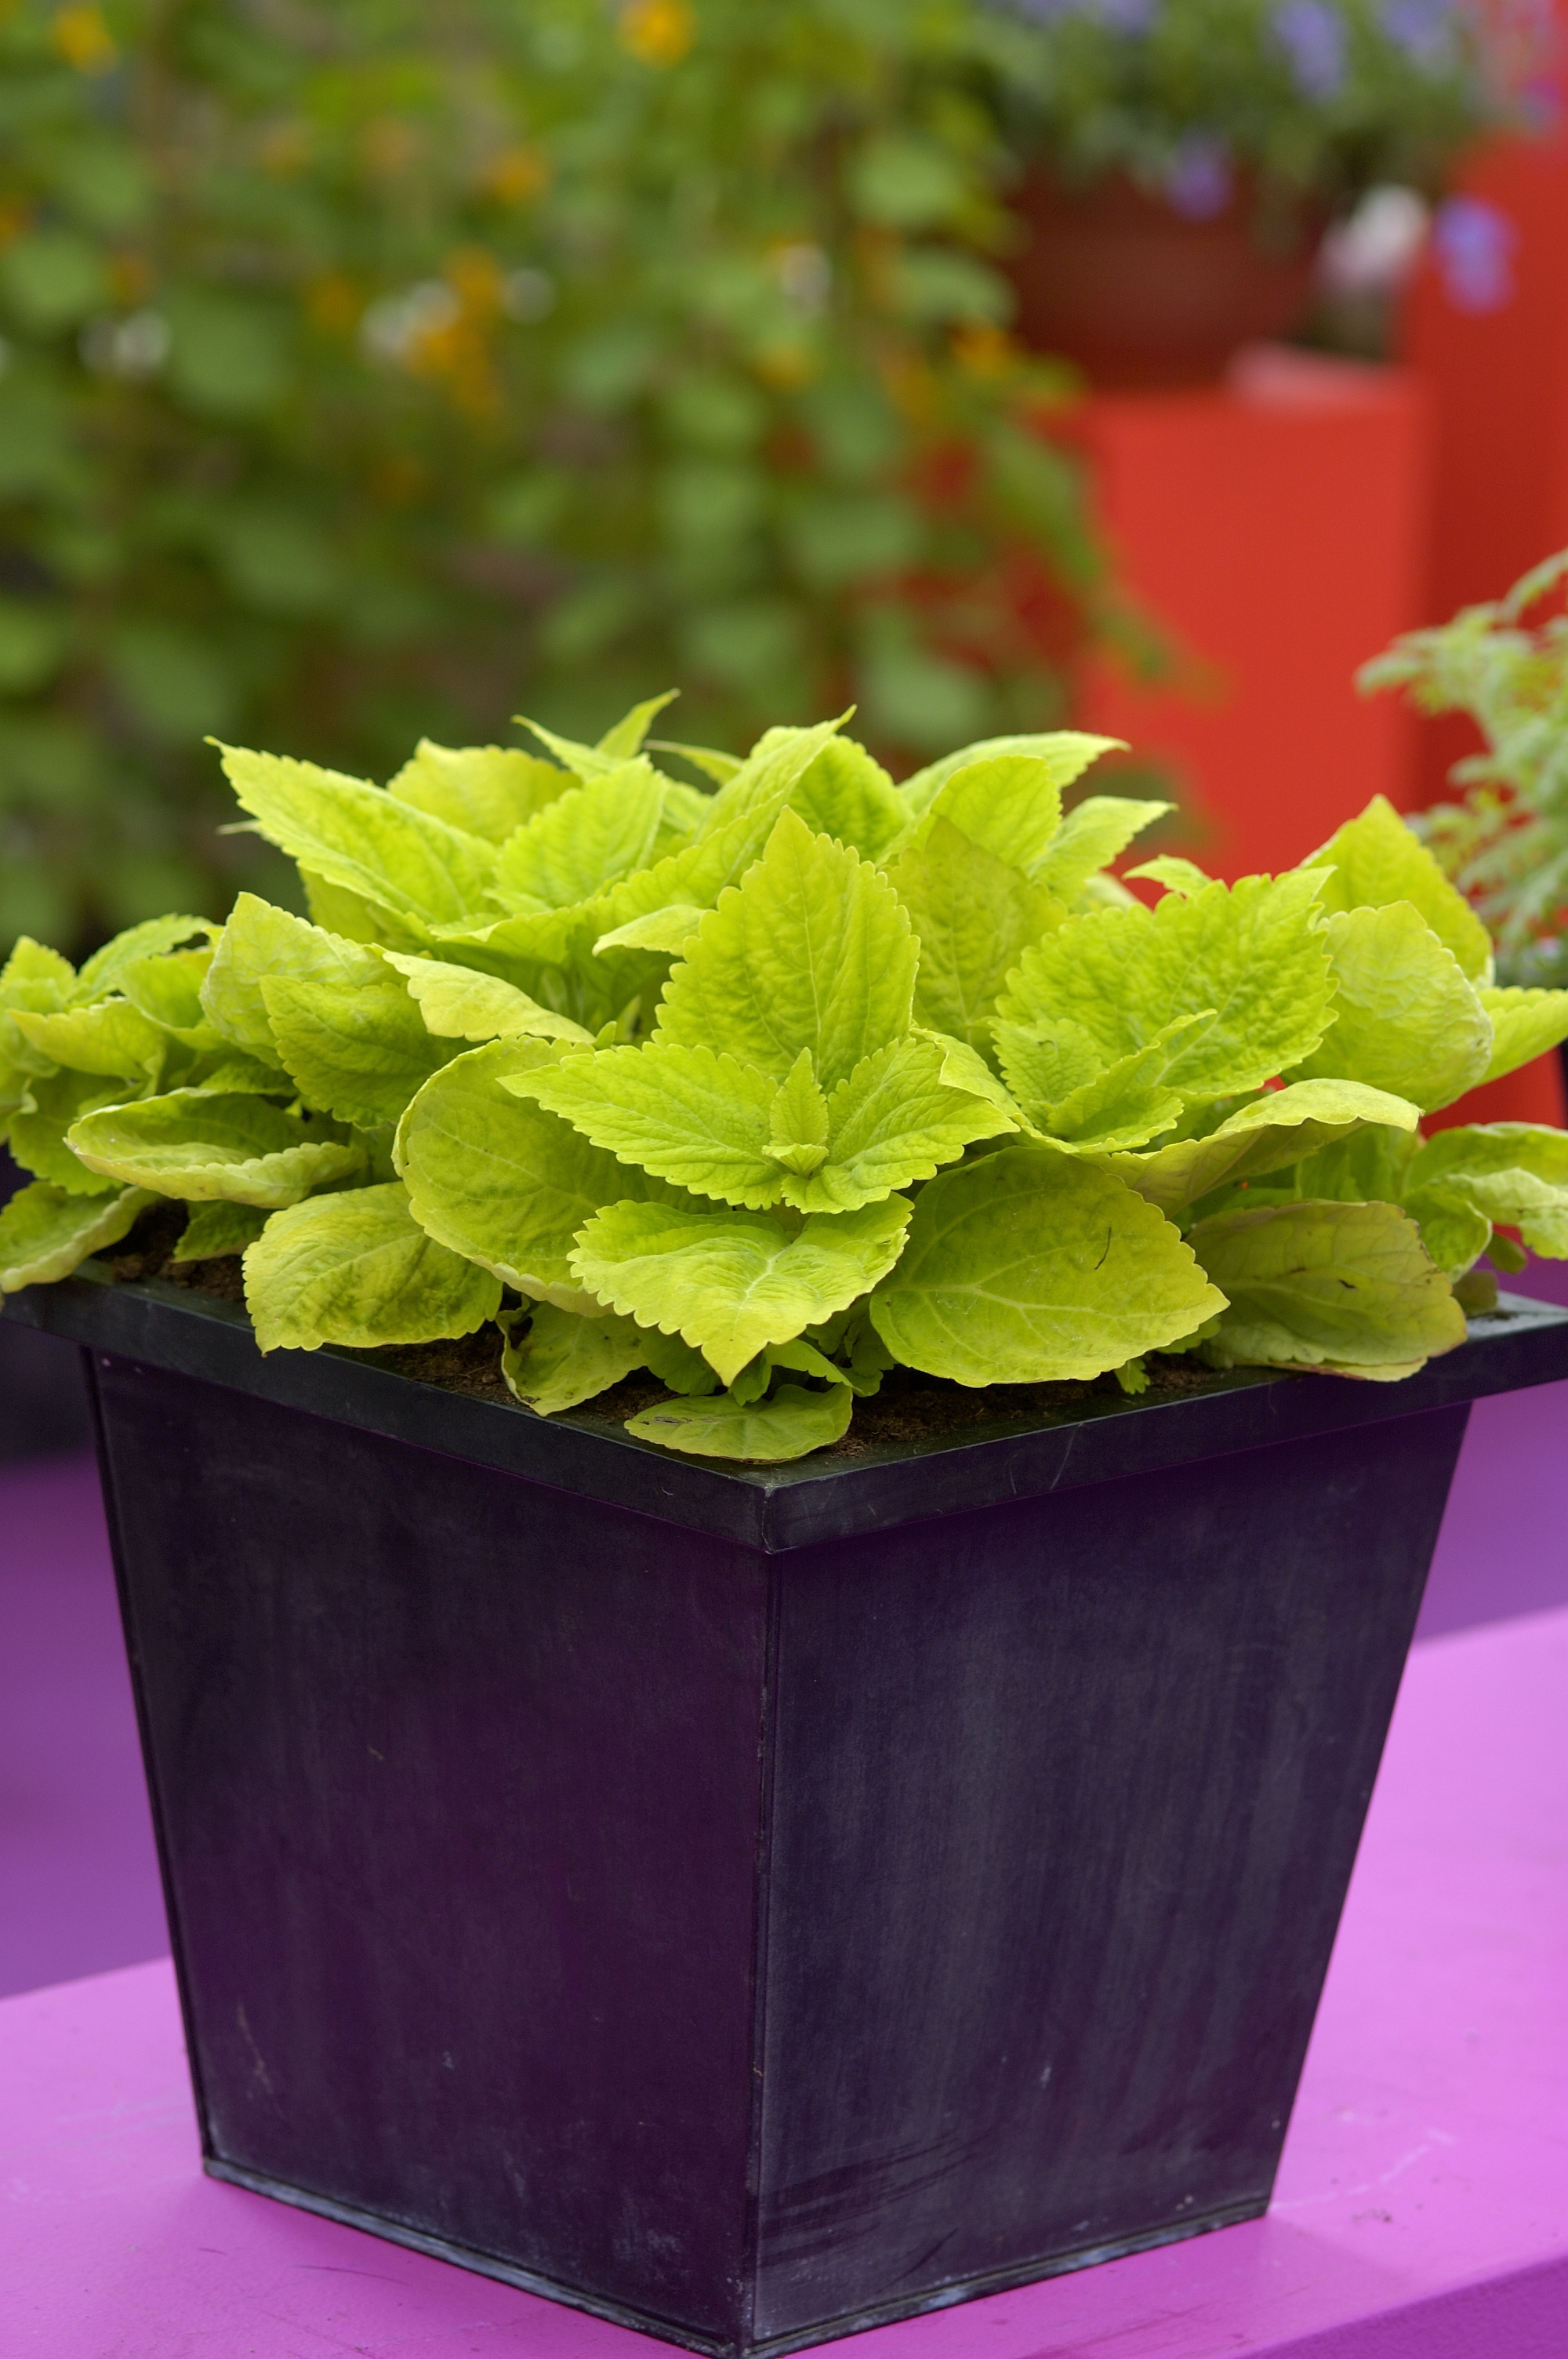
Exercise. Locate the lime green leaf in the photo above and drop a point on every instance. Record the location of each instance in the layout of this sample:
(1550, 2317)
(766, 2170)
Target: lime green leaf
(715, 766)
(30, 965)
(1492, 1147)
(1524, 1024)
(192, 1144)
(585, 762)
(1376, 859)
(1182, 876)
(1251, 952)
(459, 1004)
(696, 1119)
(1031, 1265)
(259, 940)
(354, 919)
(40, 981)
(226, 1070)
(1102, 892)
(1277, 1129)
(891, 1121)
(801, 1357)
(1010, 804)
(356, 1048)
(102, 971)
(167, 991)
(972, 915)
(1068, 752)
(811, 952)
(485, 790)
(585, 840)
(112, 1038)
(719, 767)
(1515, 1172)
(45, 1232)
(357, 1269)
(1358, 1167)
(499, 1180)
(772, 771)
(1093, 834)
(797, 1120)
(41, 1127)
(357, 837)
(1120, 1106)
(218, 1228)
(685, 808)
(767, 1433)
(1349, 1288)
(1454, 1231)
(730, 1282)
(565, 1359)
(676, 1364)
(848, 796)
(1404, 1018)
(626, 737)
(730, 838)
(668, 930)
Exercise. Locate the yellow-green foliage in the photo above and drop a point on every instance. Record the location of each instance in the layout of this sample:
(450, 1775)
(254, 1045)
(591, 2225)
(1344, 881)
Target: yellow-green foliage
(716, 1113)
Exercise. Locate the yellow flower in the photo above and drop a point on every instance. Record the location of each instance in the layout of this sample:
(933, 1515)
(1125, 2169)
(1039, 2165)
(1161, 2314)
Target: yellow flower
(477, 279)
(333, 303)
(515, 176)
(388, 145)
(785, 365)
(660, 32)
(81, 38)
(985, 351)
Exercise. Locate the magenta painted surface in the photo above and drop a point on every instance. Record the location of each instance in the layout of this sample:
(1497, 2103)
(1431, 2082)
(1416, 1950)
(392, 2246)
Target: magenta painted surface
(1423, 2206)
(79, 1888)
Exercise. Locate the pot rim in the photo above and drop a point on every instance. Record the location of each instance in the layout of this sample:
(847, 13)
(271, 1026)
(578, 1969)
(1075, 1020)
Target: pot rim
(819, 1499)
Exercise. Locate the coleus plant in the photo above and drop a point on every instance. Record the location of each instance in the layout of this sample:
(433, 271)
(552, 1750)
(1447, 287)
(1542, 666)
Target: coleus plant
(768, 1088)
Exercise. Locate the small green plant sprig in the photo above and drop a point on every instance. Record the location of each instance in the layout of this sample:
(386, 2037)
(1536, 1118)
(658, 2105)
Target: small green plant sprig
(1321, 99)
(1505, 841)
(770, 1088)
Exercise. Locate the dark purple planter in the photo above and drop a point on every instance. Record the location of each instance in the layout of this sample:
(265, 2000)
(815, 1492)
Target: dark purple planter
(755, 1904)
(43, 1404)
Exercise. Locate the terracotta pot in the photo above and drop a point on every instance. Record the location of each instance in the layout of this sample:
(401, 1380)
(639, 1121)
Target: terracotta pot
(1139, 294)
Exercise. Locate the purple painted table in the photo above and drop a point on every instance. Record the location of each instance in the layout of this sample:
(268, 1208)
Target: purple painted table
(1422, 2205)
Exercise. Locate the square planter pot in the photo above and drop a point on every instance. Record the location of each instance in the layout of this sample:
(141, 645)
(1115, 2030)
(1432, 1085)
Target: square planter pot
(752, 1904)
(43, 1403)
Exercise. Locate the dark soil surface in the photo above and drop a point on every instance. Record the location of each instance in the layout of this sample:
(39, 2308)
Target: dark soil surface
(910, 1409)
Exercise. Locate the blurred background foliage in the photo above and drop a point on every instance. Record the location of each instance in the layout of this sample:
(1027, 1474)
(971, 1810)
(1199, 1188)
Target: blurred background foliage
(372, 370)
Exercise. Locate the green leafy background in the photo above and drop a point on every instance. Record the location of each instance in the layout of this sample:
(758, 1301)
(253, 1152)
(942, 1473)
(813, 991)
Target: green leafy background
(370, 370)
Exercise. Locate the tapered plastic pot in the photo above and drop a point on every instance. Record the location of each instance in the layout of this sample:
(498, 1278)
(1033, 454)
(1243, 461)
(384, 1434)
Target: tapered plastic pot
(43, 1408)
(755, 1904)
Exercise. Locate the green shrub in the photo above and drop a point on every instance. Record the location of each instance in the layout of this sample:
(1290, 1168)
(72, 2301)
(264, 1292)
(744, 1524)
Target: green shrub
(363, 361)
(770, 1091)
(1505, 841)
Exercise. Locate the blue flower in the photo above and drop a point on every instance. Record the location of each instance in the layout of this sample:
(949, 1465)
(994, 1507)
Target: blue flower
(1474, 245)
(1423, 29)
(1311, 35)
(1199, 181)
(1129, 17)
